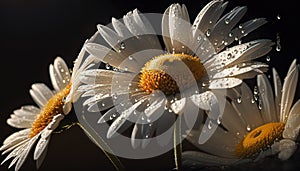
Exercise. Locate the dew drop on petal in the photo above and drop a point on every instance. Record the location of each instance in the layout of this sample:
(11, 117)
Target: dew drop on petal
(268, 58)
(107, 66)
(209, 126)
(207, 33)
(239, 100)
(248, 128)
(227, 20)
(255, 91)
(122, 45)
(130, 58)
(278, 17)
(219, 120)
(278, 46)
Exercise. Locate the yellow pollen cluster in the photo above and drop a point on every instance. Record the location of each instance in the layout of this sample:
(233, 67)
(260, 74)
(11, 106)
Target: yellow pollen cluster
(155, 75)
(259, 138)
(53, 107)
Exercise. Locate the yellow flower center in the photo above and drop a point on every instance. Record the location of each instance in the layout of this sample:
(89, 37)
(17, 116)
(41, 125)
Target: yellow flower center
(167, 73)
(53, 107)
(258, 139)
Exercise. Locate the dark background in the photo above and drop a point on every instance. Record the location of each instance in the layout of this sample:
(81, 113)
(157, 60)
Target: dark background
(34, 32)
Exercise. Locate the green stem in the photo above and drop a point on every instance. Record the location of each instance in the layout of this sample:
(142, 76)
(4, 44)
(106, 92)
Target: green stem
(103, 146)
(177, 140)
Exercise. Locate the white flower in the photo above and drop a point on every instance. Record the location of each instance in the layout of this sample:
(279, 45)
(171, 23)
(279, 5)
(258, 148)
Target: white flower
(144, 84)
(38, 123)
(252, 131)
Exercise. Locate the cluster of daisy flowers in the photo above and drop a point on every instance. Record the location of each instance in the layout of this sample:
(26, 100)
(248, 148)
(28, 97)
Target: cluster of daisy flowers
(148, 80)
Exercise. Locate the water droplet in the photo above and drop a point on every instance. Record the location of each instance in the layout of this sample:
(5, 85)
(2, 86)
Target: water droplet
(239, 100)
(229, 55)
(240, 26)
(103, 104)
(130, 58)
(114, 96)
(240, 41)
(248, 128)
(64, 99)
(207, 33)
(268, 58)
(227, 20)
(252, 101)
(278, 17)
(230, 34)
(126, 68)
(107, 66)
(209, 126)
(255, 91)
(278, 46)
(198, 38)
(242, 31)
(219, 120)
(122, 45)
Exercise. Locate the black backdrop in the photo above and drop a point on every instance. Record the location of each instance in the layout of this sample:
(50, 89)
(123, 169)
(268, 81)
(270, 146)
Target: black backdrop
(34, 32)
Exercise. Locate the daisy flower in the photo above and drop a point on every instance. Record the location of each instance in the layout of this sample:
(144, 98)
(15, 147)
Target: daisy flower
(251, 131)
(38, 123)
(145, 84)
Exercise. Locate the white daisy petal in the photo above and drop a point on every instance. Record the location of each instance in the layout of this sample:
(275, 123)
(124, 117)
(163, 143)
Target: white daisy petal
(288, 91)
(109, 115)
(122, 119)
(225, 83)
(155, 109)
(232, 121)
(42, 157)
(178, 106)
(267, 99)
(25, 152)
(120, 28)
(110, 36)
(40, 93)
(166, 30)
(61, 73)
(241, 53)
(21, 112)
(16, 151)
(14, 142)
(287, 149)
(135, 141)
(178, 23)
(21, 133)
(30, 108)
(19, 123)
(40, 147)
(204, 100)
(224, 26)
(243, 30)
(292, 126)
(209, 15)
(221, 138)
(100, 105)
(208, 130)
(278, 93)
(111, 57)
(246, 109)
(237, 70)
